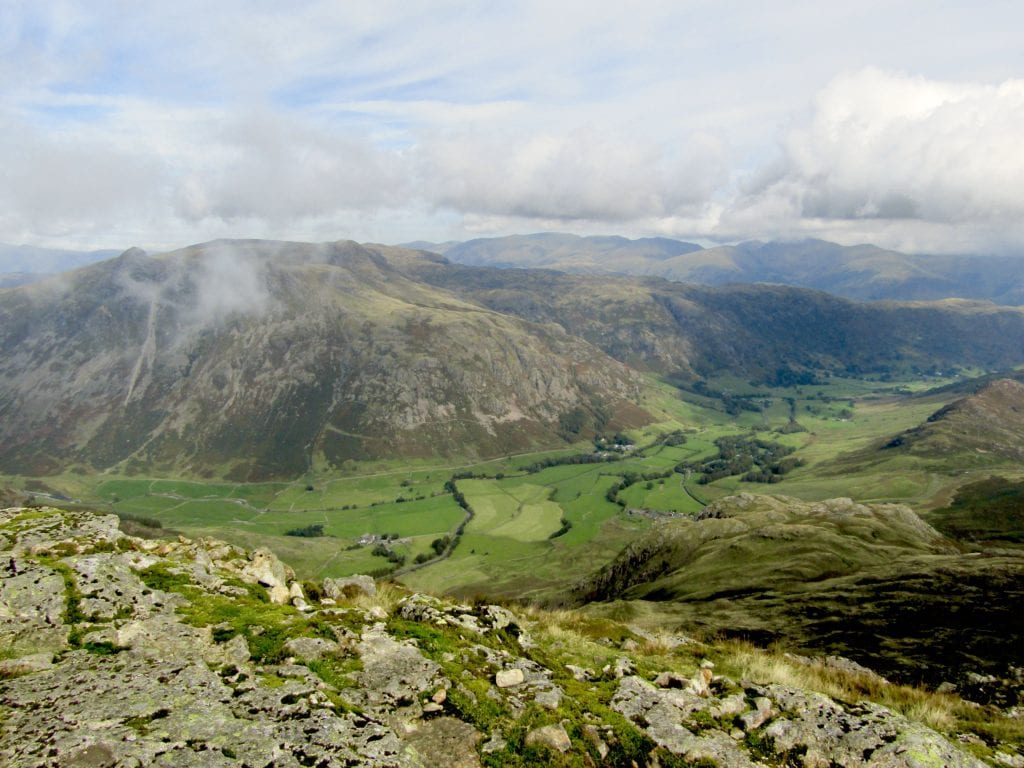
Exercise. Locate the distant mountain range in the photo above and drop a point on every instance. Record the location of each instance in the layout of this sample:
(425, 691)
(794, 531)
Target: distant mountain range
(250, 359)
(860, 272)
(20, 264)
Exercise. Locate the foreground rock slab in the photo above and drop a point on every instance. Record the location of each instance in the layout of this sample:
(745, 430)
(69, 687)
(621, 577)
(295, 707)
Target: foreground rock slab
(125, 652)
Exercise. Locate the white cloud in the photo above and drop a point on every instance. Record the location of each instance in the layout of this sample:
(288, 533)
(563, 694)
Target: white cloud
(896, 148)
(162, 124)
(280, 170)
(580, 174)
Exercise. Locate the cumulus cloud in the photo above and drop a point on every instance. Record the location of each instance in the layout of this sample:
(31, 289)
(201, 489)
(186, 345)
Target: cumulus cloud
(52, 183)
(896, 148)
(269, 167)
(440, 120)
(579, 174)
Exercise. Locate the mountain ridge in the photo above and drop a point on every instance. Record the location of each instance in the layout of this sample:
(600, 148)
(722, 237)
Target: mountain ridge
(250, 359)
(859, 272)
(268, 355)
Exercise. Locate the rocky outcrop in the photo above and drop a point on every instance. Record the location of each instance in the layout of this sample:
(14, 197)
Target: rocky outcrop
(125, 652)
(781, 723)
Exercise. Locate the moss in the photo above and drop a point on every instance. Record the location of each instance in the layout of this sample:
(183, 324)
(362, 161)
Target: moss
(336, 672)
(161, 576)
(102, 648)
(72, 598)
(470, 701)
(272, 681)
(265, 626)
(142, 722)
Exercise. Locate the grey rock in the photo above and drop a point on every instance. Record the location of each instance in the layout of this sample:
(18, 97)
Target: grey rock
(700, 683)
(279, 594)
(26, 665)
(550, 699)
(495, 744)
(110, 587)
(759, 715)
(393, 673)
(352, 586)
(670, 680)
(580, 673)
(728, 706)
(310, 648)
(266, 569)
(1013, 761)
(619, 668)
(32, 609)
(442, 741)
(508, 678)
(844, 735)
(592, 734)
(551, 736)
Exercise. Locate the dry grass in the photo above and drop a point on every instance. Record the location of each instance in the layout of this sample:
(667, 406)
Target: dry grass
(387, 598)
(659, 643)
(940, 711)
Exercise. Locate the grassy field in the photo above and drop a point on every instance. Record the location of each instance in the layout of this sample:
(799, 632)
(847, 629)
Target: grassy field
(537, 527)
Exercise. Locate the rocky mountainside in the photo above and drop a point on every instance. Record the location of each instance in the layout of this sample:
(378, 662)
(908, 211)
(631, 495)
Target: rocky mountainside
(748, 330)
(252, 359)
(860, 272)
(870, 581)
(120, 651)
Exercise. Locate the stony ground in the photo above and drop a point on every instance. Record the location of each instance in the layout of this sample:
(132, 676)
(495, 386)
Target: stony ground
(117, 651)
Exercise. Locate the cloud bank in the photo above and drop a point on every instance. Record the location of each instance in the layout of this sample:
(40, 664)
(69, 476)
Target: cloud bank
(882, 148)
(440, 121)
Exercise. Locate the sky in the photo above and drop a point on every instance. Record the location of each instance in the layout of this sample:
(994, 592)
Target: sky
(162, 124)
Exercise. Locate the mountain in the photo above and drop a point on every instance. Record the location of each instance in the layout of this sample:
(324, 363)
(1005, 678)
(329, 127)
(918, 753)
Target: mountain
(253, 359)
(760, 332)
(988, 424)
(859, 272)
(14, 279)
(989, 511)
(871, 582)
(31, 260)
(572, 253)
(128, 651)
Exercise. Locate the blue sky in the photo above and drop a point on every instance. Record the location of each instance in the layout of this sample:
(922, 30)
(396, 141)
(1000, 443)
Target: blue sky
(163, 124)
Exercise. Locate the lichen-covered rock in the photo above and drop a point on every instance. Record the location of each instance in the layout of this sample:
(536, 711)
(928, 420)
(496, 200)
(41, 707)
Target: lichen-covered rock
(349, 587)
(550, 736)
(310, 648)
(443, 741)
(264, 568)
(32, 608)
(865, 734)
(394, 673)
(507, 678)
(123, 652)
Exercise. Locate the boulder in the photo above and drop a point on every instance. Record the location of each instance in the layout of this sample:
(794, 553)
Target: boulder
(550, 699)
(550, 736)
(352, 586)
(508, 678)
(266, 569)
